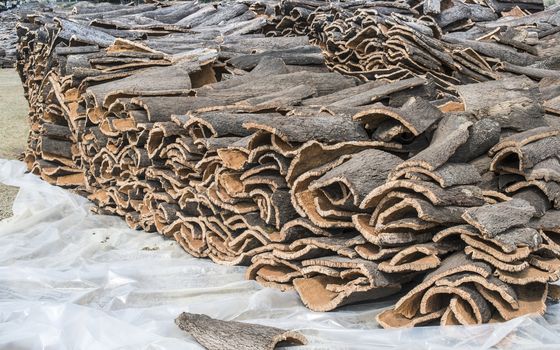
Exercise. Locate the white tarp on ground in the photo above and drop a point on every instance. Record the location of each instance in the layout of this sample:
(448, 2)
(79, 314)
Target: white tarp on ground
(70, 279)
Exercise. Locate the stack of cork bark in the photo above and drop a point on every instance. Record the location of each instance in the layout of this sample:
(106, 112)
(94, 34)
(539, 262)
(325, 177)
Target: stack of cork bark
(455, 42)
(8, 38)
(222, 127)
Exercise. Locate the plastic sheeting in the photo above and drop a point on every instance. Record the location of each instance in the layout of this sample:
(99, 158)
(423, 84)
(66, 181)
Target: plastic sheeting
(70, 279)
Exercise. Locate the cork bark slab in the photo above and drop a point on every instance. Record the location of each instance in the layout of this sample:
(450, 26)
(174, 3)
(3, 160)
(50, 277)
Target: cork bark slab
(493, 219)
(499, 289)
(527, 276)
(388, 237)
(409, 304)
(458, 195)
(479, 311)
(483, 135)
(392, 319)
(531, 299)
(272, 271)
(447, 175)
(546, 170)
(363, 172)
(521, 139)
(447, 138)
(521, 159)
(494, 250)
(536, 198)
(422, 209)
(342, 188)
(416, 115)
(550, 189)
(373, 252)
(314, 154)
(515, 266)
(307, 248)
(315, 294)
(419, 257)
(217, 334)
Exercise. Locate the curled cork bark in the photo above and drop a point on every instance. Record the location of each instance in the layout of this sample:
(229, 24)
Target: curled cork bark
(217, 334)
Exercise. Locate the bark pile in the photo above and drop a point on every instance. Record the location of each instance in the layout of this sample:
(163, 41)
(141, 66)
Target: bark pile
(224, 128)
(8, 39)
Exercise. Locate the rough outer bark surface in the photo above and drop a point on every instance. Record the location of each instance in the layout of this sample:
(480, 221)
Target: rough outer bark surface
(494, 219)
(416, 115)
(361, 173)
(216, 334)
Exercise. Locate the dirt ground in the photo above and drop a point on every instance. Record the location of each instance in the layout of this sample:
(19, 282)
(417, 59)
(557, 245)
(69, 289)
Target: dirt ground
(13, 130)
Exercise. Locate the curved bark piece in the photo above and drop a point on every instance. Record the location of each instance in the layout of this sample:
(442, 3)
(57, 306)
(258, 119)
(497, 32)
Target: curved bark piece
(321, 128)
(504, 291)
(536, 198)
(297, 229)
(421, 209)
(450, 174)
(546, 170)
(228, 247)
(458, 195)
(303, 55)
(375, 252)
(521, 159)
(392, 319)
(314, 247)
(160, 135)
(550, 221)
(217, 334)
(416, 115)
(483, 135)
(409, 304)
(514, 266)
(389, 238)
(479, 311)
(454, 232)
(461, 311)
(527, 276)
(379, 92)
(448, 318)
(447, 138)
(515, 238)
(493, 219)
(156, 81)
(190, 234)
(332, 199)
(521, 139)
(419, 257)
(314, 154)
(545, 264)
(360, 174)
(493, 249)
(531, 299)
(550, 189)
(161, 108)
(316, 295)
(518, 106)
(274, 272)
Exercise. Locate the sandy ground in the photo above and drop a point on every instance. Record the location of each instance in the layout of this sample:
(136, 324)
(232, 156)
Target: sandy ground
(13, 130)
